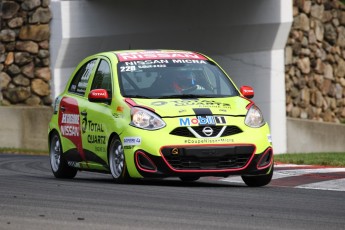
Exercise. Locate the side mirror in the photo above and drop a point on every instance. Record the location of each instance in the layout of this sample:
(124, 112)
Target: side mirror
(247, 91)
(99, 95)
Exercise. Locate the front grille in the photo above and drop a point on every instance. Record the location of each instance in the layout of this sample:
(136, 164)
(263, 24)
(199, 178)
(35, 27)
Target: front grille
(211, 158)
(185, 132)
(182, 131)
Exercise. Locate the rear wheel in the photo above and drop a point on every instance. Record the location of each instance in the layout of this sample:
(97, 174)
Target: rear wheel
(117, 161)
(58, 164)
(258, 181)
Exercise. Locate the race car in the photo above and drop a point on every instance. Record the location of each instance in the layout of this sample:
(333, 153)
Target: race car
(156, 114)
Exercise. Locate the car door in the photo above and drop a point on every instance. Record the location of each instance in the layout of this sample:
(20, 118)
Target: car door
(97, 118)
(70, 114)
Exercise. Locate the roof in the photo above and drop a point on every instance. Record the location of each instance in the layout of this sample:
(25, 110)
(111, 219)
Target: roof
(137, 55)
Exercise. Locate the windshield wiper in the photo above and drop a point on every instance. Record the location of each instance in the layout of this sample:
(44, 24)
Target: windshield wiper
(186, 96)
(136, 96)
(169, 96)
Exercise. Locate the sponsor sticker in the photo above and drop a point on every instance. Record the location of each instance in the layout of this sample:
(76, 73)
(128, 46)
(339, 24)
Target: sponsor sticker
(119, 109)
(202, 120)
(131, 141)
(70, 119)
(201, 103)
(146, 55)
(57, 104)
(69, 125)
(73, 164)
(159, 103)
(209, 141)
(139, 65)
(269, 138)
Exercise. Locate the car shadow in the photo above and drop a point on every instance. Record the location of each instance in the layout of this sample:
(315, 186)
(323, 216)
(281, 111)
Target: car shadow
(165, 182)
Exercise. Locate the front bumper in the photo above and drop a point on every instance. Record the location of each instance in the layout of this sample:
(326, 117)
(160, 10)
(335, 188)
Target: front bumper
(204, 160)
(222, 155)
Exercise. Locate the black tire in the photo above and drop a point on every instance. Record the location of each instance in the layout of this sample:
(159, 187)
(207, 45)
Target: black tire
(117, 161)
(258, 181)
(58, 164)
(189, 178)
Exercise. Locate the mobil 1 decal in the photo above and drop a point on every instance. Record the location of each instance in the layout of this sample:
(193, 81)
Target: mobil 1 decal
(204, 117)
(69, 123)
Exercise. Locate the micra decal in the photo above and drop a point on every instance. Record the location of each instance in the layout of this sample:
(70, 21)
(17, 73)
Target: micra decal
(189, 61)
(202, 120)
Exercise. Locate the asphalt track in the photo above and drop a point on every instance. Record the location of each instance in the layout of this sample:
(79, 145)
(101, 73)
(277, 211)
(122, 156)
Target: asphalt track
(31, 198)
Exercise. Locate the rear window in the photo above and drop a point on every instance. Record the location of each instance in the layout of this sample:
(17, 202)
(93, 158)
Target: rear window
(81, 78)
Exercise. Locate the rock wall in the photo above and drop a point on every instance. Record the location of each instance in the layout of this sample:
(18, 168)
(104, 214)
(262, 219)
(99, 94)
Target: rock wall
(24, 52)
(315, 61)
(315, 57)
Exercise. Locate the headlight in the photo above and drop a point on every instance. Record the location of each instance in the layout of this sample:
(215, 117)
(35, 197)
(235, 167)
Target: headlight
(254, 117)
(145, 119)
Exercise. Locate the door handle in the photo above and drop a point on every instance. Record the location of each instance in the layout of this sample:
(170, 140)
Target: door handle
(62, 108)
(84, 113)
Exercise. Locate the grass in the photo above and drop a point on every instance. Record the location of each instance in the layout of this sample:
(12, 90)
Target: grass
(23, 151)
(325, 159)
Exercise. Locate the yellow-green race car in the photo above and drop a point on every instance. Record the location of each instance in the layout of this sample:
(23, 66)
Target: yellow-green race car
(156, 114)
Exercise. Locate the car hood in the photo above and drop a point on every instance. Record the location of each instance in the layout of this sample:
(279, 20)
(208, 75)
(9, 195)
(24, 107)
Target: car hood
(232, 106)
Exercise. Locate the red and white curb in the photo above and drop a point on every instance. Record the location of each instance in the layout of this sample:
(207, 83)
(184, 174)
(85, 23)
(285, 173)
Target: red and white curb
(303, 176)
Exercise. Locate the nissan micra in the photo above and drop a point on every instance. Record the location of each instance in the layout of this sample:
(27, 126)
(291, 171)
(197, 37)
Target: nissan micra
(155, 114)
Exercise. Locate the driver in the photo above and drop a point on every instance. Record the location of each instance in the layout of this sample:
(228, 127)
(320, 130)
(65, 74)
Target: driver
(184, 82)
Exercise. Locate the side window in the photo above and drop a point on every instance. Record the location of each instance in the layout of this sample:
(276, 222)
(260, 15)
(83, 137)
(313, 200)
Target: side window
(81, 78)
(102, 79)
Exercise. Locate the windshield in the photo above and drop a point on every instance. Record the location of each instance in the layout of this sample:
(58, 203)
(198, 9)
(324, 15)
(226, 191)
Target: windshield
(169, 78)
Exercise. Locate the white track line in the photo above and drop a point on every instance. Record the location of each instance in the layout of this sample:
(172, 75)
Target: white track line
(335, 184)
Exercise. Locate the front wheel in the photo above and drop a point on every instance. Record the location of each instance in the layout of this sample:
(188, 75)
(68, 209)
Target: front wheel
(258, 181)
(58, 164)
(117, 161)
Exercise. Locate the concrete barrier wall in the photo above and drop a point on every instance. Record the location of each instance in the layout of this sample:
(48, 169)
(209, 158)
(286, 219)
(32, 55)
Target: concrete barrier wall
(24, 127)
(305, 136)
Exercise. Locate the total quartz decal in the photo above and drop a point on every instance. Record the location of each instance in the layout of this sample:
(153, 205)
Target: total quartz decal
(94, 130)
